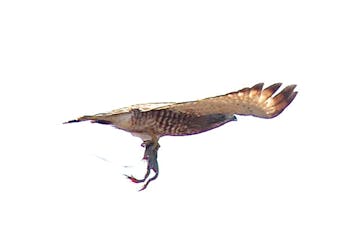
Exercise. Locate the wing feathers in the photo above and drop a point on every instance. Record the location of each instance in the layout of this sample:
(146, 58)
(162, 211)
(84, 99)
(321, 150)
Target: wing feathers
(255, 91)
(269, 91)
(284, 94)
(254, 101)
(284, 98)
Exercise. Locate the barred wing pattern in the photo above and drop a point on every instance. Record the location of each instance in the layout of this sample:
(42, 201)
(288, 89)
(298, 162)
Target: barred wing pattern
(254, 101)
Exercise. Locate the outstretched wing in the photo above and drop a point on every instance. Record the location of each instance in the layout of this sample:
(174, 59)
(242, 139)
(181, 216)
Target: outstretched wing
(141, 107)
(254, 101)
(108, 117)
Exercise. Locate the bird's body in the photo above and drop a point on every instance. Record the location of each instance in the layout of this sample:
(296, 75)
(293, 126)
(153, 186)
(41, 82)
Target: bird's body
(154, 120)
(150, 125)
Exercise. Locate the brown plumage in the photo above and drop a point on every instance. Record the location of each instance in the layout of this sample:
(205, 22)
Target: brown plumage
(154, 120)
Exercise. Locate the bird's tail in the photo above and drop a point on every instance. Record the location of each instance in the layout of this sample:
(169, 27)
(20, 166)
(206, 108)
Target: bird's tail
(93, 119)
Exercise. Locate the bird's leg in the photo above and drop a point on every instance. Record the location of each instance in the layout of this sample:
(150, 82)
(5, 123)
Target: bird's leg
(150, 155)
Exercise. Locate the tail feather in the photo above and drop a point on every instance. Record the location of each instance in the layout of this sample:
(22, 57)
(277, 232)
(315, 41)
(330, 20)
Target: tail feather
(71, 121)
(94, 118)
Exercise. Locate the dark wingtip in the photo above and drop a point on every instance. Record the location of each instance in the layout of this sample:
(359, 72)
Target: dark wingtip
(283, 99)
(258, 86)
(274, 87)
(292, 97)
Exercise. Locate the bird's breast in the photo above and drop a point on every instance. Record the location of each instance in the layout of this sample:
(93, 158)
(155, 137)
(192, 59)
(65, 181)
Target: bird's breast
(157, 123)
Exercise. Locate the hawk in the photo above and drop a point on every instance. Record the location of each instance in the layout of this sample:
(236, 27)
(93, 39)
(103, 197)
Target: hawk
(151, 121)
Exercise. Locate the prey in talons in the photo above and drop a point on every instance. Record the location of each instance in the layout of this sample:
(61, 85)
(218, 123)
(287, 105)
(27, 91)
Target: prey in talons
(151, 121)
(150, 155)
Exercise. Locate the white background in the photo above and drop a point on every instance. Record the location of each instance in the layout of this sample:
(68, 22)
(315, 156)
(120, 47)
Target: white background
(292, 177)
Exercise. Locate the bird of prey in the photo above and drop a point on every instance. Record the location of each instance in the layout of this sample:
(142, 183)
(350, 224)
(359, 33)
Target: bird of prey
(153, 120)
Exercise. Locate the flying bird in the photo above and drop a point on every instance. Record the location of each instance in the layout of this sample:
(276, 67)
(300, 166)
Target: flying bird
(151, 121)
